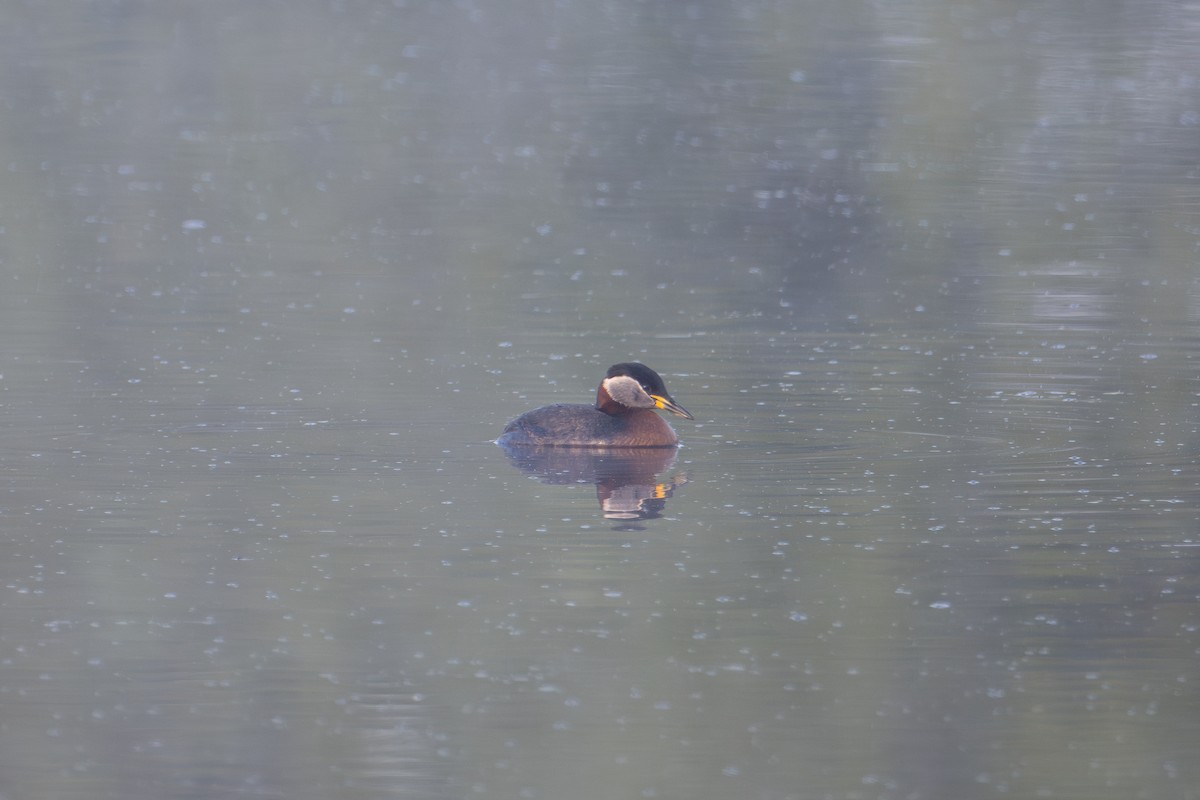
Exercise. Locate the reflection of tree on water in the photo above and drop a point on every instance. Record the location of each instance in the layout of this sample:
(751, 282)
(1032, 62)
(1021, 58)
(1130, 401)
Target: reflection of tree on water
(625, 478)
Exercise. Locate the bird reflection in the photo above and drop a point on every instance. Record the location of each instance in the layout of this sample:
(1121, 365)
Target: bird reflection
(625, 478)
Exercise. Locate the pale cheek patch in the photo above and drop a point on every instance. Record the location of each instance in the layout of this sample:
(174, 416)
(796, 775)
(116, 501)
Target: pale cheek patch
(628, 392)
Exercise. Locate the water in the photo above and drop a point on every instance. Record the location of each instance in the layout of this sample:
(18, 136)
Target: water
(274, 283)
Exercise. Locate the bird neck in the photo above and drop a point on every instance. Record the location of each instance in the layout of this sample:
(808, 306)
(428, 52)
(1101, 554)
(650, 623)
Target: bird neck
(605, 402)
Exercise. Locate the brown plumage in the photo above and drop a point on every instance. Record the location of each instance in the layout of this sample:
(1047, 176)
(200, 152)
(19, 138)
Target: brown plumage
(623, 415)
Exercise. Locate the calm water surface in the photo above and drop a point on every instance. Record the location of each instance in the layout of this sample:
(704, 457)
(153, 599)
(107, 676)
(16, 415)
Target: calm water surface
(274, 282)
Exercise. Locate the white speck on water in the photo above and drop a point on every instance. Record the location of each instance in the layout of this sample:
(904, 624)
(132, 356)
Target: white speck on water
(194, 224)
(797, 76)
(1148, 356)
(939, 604)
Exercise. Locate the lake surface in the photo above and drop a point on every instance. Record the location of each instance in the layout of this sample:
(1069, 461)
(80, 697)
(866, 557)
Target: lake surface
(276, 275)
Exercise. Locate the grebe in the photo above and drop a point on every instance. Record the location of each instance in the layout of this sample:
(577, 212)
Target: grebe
(622, 417)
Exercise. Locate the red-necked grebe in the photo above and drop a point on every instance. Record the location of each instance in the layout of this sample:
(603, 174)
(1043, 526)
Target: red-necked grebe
(622, 417)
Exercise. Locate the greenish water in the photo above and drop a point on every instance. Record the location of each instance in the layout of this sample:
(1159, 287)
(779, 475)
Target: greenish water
(274, 280)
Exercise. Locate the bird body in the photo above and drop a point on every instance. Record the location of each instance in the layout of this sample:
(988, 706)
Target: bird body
(623, 415)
